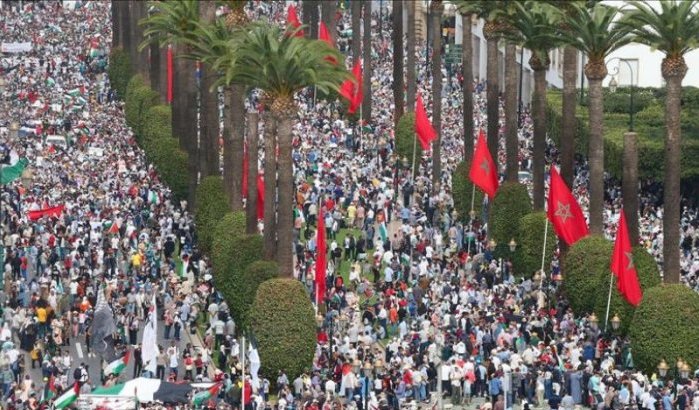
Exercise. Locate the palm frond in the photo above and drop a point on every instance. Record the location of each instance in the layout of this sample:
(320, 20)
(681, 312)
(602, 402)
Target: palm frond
(595, 31)
(170, 22)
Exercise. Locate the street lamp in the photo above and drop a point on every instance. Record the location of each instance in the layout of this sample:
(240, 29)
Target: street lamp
(613, 84)
(684, 370)
(616, 322)
(512, 245)
(492, 244)
(663, 368)
(356, 366)
(594, 322)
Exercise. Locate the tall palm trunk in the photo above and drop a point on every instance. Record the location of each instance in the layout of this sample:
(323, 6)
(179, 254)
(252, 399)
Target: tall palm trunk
(467, 88)
(310, 17)
(125, 29)
(162, 76)
(595, 71)
(511, 140)
(209, 125)
(253, 140)
(270, 219)
(184, 111)
(328, 11)
(356, 29)
(436, 16)
(398, 83)
(116, 24)
(411, 64)
(539, 117)
(568, 121)
(154, 67)
(493, 96)
(673, 70)
(139, 58)
(234, 126)
(285, 227)
(366, 51)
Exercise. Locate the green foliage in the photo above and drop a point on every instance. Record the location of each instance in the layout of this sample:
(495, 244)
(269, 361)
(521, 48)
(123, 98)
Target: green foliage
(510, 204)
(462, 188)
(665, 326)
(586, 261)
(405, 137)
(648, 277)
(619, 102)
(227, 231)
(529, 240)
(212, 205)
(139, 99)
(157, 125)
(119, 71)
(283, 322)
(237, 281)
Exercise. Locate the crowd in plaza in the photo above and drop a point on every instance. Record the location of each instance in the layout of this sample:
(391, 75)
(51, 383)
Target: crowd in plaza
(418, 312)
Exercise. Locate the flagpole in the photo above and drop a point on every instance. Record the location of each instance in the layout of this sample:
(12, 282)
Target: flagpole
(470, 218)
(609, 301)
(242, 373)
(412, 172)
(543, 252)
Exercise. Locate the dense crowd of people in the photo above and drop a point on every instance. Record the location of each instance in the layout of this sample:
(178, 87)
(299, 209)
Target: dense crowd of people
(423, 307)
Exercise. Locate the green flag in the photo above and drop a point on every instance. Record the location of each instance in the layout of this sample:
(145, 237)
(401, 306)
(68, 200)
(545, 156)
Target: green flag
(9, 174)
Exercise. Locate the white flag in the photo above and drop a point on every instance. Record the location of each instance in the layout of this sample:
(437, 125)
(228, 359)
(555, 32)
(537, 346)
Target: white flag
(149, 345)
(254, 366)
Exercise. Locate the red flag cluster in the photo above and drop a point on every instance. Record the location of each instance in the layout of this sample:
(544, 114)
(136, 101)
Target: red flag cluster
(623, 267)
(352, 90)
(484, 173)
(293, 20)
(423, 127)
(564, 212)
(321, 259)
(52, 212)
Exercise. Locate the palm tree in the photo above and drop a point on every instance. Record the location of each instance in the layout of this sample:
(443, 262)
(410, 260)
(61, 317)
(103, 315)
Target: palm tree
(310, 16)
(596, 33)
(282, 65)
(366, 56)
(328, 11)
(209, 111)
(398, 83)
(356, 29)
(253, 139)
(411, 80)
(491, 32)
(533, 26)
(116, 24)
(124, 23)
(467, 88)
(436, 59)
(673, 29)
(270, 172)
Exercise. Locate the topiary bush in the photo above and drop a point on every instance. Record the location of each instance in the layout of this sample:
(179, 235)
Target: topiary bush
(172, 162)
(405, 137)
(283, 321)
(665, 326)
(462, 188)
(648, 276)
(529, 244)
(157, 125)
(585, 262)
(510, 204)
(246, 285)
(119, 71)
(139, 99)
(227, 231)
(212, 205)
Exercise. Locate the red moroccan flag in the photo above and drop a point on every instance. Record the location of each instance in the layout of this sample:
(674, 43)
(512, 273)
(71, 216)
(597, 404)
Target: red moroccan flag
(246, 163)
(424, 129)
(321, 259)
(51, 212)
(483, 171)
(324, 35)
(170, 75)
(260, 197)
(352, 90)
(293, 20)
(623, 267)
(564, 212)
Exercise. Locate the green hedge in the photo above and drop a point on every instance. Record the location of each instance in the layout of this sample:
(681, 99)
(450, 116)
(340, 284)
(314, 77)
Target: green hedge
(139, 99)
(119, 71)
(585, 262)
(648, 276)
(283, 321)
(462, 188)
(227, 231)
(157, 125)
(236, 281)
(510, 204)
(529, 244)
(212, 205)
(405, 138)
(665, 326)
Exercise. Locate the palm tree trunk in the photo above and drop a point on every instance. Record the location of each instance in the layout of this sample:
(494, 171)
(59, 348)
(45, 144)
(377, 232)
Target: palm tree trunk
(285, 227)
(356, 30)
(270, 222)
(184, 120)
(233, 129)
(209, 115)
(125, 27)
(328, 11)
(116, 24)
(398, 83)
(539, 117)
(366, 51)
(568, 121)
(139, 57)
(411, 64)
(671, 176)
(310, 17)
(253, 140)
(493, 98)
(629, 184)
(436, 16)
(467, 88)
(596, 156)
(162, 86)
(154, 69)
(511, 140)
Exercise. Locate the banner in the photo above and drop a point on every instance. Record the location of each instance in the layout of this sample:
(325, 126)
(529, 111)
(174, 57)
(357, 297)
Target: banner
(52, 212)
(16, 47)
(97, 402)
(9, 174)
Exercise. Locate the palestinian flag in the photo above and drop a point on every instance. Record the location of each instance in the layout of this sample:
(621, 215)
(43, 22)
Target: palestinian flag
(153, 197)
(149, 390)
(383, 231)
(49, 389)
(50, 82)
(14, 171)
(117, 366)
(114, 229)
(67, 398)
(202, 397)
(75, 92)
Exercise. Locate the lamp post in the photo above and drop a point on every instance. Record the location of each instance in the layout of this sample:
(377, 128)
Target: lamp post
(594, 322)
(613, 84)
(14, 130)
(616, 322)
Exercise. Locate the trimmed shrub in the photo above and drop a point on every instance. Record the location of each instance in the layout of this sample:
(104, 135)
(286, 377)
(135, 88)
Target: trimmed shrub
(531, 235)
(157, 125)
(405, 138)
(119, 71)
(648, 276)
(283, 320)
(462, 188)
(510, 204)
(212, 205)
(139, 99)
(172, 164)
(235, 282)
(228, 230)
(587, 260)
(665, 326)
